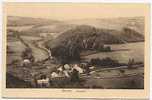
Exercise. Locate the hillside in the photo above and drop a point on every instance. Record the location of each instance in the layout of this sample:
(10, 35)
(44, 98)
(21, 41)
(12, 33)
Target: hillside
(36, 26)
(71, 43)
(130, 35)
(54, 28)
(135, 23)
(91, 36)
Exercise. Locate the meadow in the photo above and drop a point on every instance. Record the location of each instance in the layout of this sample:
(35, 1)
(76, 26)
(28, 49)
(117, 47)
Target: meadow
(122, 52)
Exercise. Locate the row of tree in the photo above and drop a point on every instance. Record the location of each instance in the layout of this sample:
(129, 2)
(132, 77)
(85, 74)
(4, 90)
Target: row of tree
(104, 62)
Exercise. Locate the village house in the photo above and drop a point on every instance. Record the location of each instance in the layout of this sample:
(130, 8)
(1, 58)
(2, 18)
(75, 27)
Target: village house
(54, 75)
(26, 62)
(43, 82)
(65, 70)
(79, 69)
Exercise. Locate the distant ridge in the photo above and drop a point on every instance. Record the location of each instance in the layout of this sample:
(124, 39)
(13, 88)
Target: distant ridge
(21, 21)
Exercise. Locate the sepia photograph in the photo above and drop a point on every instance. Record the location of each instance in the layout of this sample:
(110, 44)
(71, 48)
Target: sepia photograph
(106, 53)
(75, 46)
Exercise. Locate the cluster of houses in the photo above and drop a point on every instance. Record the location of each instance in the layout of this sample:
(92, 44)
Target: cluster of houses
(70, 72)
(62, 74)
(65, 70)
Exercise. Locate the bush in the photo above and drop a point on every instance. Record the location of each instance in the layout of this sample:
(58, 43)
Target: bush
(122, 71)
(104, 48)
(108, 48)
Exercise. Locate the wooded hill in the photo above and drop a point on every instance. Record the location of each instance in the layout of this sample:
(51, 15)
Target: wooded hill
(84, 37)
(91, 36)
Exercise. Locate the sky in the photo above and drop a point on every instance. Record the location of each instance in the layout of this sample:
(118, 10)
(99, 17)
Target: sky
(69, 11)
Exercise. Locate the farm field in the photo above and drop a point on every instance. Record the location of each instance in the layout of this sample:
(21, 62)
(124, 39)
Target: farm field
(15, 50)
(115, 79)
(18, 47)
(20, 28)
(122, 52)
(117, 83)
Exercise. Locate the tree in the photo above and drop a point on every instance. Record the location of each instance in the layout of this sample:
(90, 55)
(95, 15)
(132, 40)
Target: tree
(104, 62)
(66, 53)
(130, 63)
(108, 48)
(75, 76)
(27, 54)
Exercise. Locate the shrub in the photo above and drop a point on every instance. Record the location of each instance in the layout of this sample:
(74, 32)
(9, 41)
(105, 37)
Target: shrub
(104, 48)
(122, 71)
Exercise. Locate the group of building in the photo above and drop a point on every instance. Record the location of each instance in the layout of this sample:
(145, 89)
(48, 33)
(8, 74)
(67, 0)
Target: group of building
(62, 74)
(66, 71)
